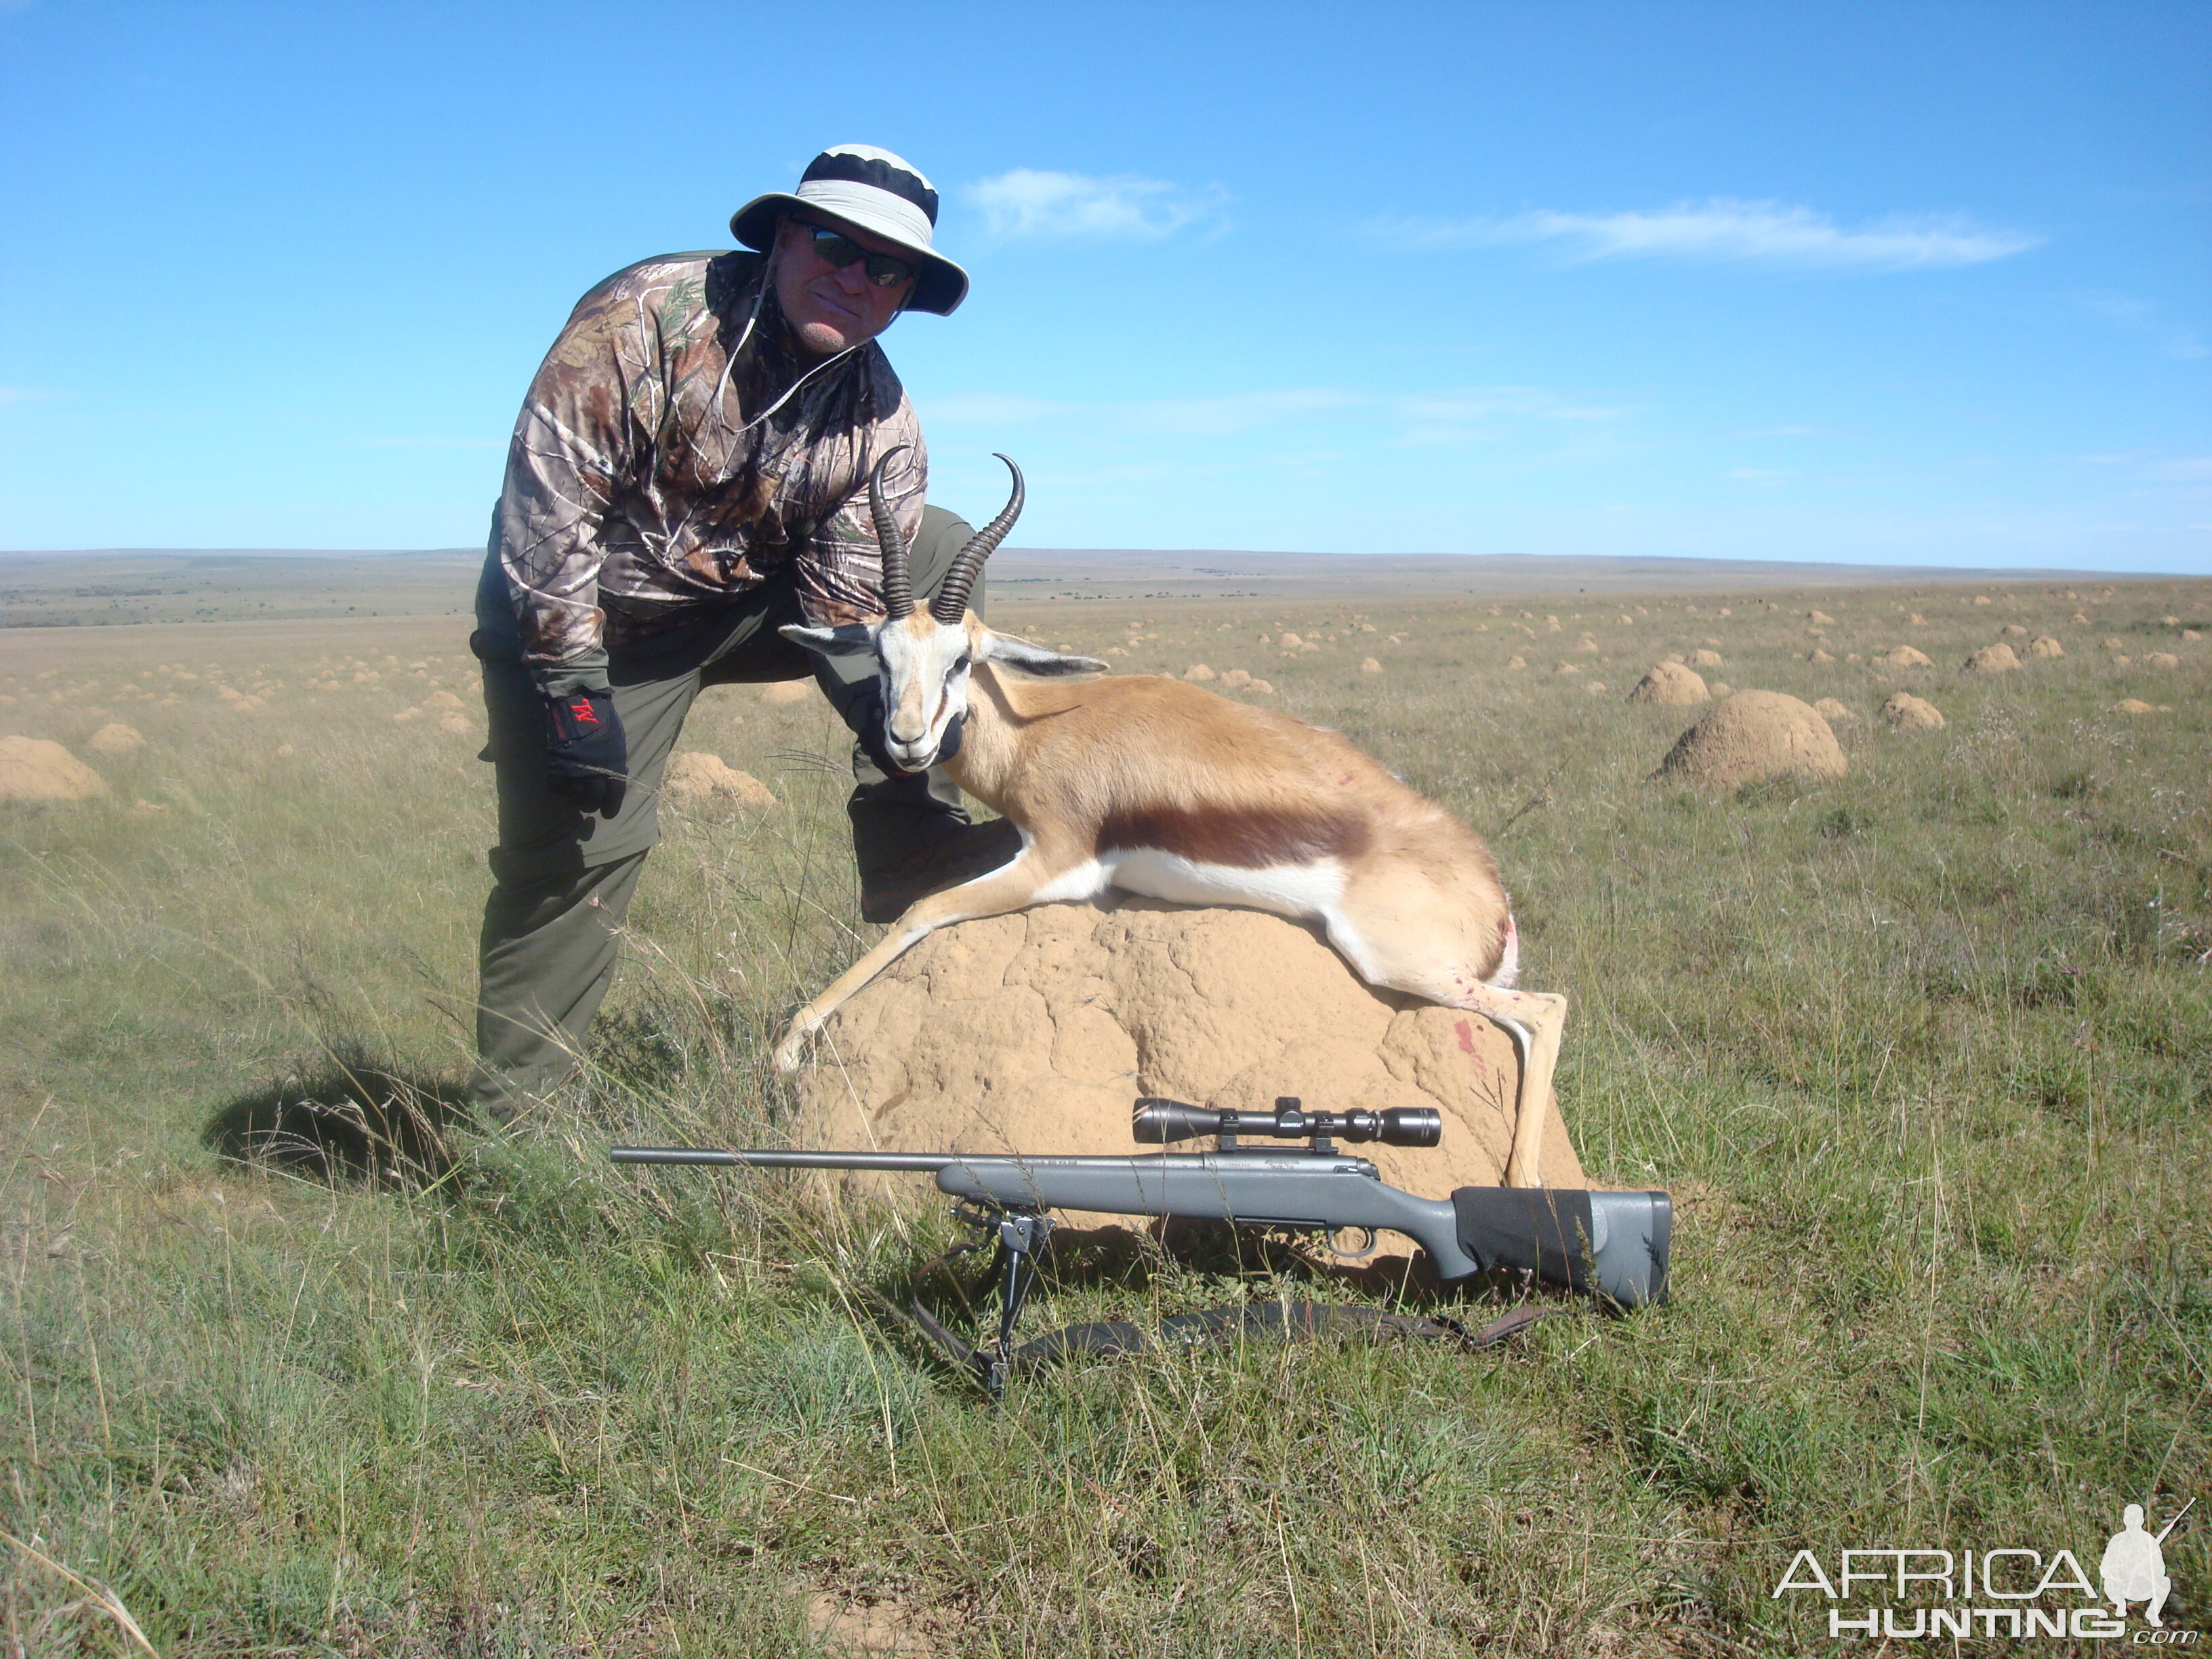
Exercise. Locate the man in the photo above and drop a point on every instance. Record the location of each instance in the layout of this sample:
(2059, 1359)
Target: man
(690, 472)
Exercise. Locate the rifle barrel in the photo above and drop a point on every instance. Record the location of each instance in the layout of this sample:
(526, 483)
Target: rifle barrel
(926, 1162)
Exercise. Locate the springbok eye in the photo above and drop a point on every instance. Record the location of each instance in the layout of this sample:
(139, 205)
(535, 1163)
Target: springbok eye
(960, 666)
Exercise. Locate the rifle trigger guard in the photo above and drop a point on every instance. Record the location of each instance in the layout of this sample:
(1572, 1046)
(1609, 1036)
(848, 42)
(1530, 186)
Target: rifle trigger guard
(1328, 1243)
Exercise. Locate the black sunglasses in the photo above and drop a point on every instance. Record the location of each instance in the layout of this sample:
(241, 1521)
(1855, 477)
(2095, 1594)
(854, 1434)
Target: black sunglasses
(837, 251)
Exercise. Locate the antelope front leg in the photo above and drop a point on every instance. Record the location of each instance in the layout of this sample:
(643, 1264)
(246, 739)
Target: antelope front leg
(1536, 1021)
(1014, 887)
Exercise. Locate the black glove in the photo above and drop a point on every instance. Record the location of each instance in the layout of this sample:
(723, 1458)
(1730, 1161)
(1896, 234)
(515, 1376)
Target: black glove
(586, 755)
(865, 717)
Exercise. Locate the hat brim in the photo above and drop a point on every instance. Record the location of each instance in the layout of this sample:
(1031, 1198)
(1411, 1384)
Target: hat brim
(940, 285)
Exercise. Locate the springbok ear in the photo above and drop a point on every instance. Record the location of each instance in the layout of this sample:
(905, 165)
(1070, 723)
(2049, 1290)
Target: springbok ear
(847, 639)
(1023, 658)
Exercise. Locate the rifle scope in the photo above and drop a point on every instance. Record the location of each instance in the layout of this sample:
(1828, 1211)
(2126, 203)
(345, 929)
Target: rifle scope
(1158, 1121)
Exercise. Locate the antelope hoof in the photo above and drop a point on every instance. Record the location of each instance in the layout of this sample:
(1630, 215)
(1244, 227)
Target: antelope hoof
(791, 1053)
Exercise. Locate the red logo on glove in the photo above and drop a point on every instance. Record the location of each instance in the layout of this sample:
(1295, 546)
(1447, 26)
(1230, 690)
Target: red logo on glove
(581, 709)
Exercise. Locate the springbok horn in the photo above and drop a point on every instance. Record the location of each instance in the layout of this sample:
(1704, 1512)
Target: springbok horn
(951, 601)
(898, 586)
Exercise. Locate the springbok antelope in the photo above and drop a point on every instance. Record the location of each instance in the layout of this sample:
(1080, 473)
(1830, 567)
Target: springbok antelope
(1157, 787)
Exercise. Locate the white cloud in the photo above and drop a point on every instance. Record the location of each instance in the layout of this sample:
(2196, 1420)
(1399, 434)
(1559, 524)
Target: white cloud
(1724, 231)
(1464, 416)
(2175, 340)
(432, 443)
(996, 409)
(2152, 466)
(1031, 203)
(1236, 411)
(1244, 411)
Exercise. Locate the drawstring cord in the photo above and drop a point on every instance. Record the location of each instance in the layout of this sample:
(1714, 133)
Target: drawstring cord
(767, 275)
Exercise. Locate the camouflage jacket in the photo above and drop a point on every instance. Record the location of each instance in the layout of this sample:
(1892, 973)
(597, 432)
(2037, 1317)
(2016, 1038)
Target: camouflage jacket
(634, 493)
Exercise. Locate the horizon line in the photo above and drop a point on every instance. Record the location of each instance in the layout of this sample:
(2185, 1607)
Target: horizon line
(1991, 571)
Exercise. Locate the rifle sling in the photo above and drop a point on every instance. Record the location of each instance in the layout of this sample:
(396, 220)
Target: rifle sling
(1270, 1321)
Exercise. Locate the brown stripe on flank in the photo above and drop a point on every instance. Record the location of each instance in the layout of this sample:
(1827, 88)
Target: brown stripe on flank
(1250, 838)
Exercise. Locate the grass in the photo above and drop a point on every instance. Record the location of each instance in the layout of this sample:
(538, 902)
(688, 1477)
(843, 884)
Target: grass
(1925, 1055)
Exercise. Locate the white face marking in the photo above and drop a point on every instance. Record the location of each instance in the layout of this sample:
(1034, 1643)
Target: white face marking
(924, 665)
(1288, 890)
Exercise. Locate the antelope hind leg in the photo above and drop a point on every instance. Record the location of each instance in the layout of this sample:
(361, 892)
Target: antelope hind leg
(1012, 887)
(1423, 961)
(1536, 1021)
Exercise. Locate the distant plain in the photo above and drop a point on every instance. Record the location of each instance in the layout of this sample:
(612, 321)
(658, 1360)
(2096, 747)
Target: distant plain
(1924, 1053)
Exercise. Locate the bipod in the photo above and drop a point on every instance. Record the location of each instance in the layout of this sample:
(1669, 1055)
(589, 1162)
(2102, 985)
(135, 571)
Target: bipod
(1019, 1235)
(1022, 1234)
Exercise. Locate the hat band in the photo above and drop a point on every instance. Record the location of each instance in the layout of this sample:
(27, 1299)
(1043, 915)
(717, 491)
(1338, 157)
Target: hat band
(889, 216)
(859, 165)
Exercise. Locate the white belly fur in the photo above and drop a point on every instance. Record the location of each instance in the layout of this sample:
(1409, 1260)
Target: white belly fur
(1086, 881)
(1288, 890)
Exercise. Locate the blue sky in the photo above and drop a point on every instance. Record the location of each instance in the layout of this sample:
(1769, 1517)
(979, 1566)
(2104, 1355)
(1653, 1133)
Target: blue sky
(1909, 284)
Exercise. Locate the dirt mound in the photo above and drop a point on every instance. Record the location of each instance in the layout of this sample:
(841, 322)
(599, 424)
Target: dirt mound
(1818, 655)
(1752, 735)
(443, 700)
(2161, 660)
(1035, 1032)
(1673, 684)
(454, 723)
(2012, 631)
(1905, 657)
(1991, 660)
(1833, 709)
(1198, 673)
(34, 769)
(1909, 713)
(115, 738)
(2044, 646)
(697, 776)
(787, 691)
(1369, 666)
(2138, 705)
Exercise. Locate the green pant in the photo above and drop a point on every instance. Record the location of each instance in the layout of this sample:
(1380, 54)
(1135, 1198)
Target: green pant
(563, 877)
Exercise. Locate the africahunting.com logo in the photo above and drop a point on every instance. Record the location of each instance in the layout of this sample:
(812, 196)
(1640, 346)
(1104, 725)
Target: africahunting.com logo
(2015, 1593)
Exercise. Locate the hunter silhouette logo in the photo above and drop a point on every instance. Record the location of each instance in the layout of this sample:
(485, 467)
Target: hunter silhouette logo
(2134, 1567)
(1908, 1593)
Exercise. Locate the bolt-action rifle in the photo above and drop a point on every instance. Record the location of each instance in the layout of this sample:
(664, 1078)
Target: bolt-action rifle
(1612, 1244)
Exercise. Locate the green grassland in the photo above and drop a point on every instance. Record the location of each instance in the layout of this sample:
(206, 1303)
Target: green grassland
(1924, 1053)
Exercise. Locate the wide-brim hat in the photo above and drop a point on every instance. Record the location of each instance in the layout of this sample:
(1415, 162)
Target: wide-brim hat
(871, 190)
